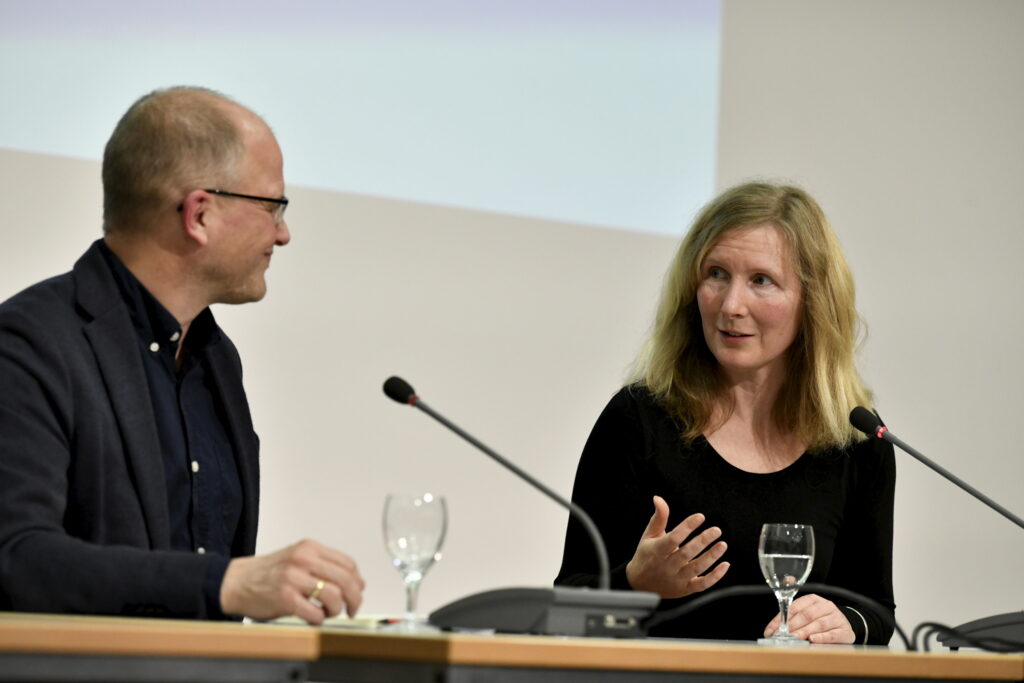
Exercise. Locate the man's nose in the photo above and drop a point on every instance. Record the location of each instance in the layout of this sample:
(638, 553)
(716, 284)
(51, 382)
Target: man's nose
(284, 236)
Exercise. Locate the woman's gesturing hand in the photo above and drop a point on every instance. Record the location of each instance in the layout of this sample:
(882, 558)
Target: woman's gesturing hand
(661, 565)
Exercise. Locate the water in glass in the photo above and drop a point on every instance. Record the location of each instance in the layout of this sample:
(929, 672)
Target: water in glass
(786, 554)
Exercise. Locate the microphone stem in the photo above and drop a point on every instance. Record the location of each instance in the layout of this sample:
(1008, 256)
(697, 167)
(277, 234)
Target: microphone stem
(604, 577)
(889, 436)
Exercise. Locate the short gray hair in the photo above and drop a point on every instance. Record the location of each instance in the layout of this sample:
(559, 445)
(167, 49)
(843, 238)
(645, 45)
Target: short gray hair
(168, 143)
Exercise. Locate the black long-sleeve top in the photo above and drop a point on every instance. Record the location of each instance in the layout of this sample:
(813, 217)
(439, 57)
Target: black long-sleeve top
(635, 451)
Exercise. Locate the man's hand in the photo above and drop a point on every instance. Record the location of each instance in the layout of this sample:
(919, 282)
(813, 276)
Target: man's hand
(660, 565)
(282, 583)
(813, 618)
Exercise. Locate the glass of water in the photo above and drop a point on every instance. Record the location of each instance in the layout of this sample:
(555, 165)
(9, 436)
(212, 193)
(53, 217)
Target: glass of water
(786, 554)
(414, 528)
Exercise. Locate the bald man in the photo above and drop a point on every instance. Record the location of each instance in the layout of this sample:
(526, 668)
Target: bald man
(129, 467)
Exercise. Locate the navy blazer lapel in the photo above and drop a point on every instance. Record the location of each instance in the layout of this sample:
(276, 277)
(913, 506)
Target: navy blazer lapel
(227, 374)
(112, 337)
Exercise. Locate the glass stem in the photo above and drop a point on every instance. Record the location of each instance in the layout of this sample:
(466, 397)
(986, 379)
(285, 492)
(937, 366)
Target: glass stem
(412, 590)
(785, 600)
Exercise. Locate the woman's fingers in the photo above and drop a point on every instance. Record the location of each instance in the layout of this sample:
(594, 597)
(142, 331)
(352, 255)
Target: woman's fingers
(670, 565)
(812, 617)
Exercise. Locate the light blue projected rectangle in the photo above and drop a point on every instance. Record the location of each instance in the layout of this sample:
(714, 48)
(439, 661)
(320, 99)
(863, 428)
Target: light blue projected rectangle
(601, 113)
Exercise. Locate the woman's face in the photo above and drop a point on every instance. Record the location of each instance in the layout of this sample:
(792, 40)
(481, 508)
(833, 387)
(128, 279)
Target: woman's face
(749, 298)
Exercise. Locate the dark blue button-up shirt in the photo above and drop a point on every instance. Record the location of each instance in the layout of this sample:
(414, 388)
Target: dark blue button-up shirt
(204, 492)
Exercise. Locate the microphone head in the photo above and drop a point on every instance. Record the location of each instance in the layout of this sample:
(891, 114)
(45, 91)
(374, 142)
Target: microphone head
(864, 420)
(399, 390)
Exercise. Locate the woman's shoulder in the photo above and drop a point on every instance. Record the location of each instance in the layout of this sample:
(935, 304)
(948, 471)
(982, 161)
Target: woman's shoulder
(634, 392)
(637, 399)
(634, 405)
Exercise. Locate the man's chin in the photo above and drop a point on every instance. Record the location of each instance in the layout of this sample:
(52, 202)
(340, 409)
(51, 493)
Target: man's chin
(246, 295)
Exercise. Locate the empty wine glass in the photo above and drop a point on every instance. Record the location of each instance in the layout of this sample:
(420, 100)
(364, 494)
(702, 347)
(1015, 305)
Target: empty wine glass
(786, 554)
(414, 529)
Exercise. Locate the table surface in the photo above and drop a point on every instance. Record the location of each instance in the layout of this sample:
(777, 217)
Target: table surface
(53, 634)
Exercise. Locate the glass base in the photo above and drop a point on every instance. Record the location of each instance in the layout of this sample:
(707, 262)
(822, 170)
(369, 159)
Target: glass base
(783, 641)
(411, 626)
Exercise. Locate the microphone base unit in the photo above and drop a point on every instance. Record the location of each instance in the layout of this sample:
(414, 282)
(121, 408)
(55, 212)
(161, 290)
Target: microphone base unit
(559, 610)
(1007, 627)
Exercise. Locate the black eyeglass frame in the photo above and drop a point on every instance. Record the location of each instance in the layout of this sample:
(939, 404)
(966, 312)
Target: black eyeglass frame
(282, 202)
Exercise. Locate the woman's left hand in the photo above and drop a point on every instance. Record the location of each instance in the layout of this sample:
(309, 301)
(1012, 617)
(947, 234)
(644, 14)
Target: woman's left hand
(813, 618)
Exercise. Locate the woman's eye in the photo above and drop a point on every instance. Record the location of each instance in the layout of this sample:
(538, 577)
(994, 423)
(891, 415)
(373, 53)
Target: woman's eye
(762, 280)
(715, 273)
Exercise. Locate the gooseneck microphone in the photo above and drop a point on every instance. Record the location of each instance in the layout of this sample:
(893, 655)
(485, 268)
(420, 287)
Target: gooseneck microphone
(867, 422)
(399, 390)
(1005, 629)
(563, 610)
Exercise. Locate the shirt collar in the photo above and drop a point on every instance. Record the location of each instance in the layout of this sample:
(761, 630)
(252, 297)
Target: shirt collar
(155, 325)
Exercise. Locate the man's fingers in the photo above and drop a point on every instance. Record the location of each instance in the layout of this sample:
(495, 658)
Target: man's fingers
(343, 590)
(338, 558)
(337, 569)
(352, 592)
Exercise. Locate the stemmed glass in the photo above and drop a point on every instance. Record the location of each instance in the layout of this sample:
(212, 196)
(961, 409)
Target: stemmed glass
(786, 554)
(414, 529)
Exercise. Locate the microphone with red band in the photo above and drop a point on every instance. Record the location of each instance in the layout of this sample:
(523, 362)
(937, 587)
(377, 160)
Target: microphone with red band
(399, 390)
(1006, 628)
(869, 423)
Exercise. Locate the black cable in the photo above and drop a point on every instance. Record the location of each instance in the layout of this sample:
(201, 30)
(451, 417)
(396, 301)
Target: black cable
(698, 602)
(989, 643)
(919, 640)
(733, 591)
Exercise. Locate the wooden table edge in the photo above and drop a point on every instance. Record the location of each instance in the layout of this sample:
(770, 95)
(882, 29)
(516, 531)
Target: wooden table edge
(665, 655)
(53, 634)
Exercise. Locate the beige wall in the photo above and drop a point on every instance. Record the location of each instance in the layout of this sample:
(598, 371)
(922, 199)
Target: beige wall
(518, 329)
(901, 117)
(904, 119)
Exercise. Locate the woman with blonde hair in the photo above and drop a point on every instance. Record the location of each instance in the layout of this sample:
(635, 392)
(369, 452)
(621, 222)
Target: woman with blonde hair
(737, 416)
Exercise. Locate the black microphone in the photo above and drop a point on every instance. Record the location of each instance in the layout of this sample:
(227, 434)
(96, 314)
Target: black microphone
(563, 610)
(867, 422)
(399, 390)
(1007, 627)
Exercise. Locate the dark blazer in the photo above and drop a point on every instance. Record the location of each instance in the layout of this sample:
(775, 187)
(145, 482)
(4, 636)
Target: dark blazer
(83, 506)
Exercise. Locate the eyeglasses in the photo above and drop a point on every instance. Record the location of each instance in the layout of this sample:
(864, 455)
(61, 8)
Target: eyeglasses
(281, 203)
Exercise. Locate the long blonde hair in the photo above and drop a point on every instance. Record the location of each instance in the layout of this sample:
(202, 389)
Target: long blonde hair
(822, 383)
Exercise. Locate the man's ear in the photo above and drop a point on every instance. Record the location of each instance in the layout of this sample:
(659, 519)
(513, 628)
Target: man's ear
(195, 216)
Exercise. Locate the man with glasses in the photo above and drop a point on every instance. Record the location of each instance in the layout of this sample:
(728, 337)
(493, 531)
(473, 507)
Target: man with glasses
(129, 469)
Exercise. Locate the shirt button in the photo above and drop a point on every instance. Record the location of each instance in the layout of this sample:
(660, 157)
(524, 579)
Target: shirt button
(201, 550)
(176, 336)
(195, 465)
(154, 347)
